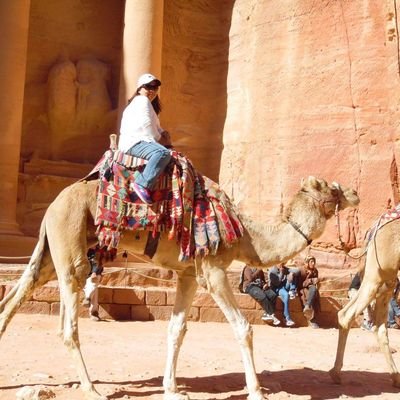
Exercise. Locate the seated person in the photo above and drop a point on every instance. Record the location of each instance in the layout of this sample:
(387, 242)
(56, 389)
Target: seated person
(255, 285)
(394, 309)
(367, 312)
(308, 285)
(283, 282)
(91, 288)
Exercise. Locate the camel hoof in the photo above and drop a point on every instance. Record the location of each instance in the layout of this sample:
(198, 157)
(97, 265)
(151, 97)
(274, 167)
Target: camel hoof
(176, 396)
(93, 394)
(258, 395)
(335, 376)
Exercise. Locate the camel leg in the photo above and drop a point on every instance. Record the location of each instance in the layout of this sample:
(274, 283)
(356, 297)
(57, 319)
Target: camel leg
(345, 318)
(22, 290)
(185, 291)
(62, 319)
(223, 296)
(381, 316)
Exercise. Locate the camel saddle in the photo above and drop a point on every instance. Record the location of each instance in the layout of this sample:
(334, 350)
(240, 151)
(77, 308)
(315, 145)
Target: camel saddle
(187, 206)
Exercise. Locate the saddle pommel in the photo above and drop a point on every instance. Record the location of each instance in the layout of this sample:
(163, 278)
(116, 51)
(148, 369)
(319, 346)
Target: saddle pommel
(113, 141)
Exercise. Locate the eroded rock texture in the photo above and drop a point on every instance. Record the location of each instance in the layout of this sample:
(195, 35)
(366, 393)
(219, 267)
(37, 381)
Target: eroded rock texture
(313, 89)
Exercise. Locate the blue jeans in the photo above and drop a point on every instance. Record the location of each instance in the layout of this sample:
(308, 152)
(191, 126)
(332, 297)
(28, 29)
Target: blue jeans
(283, 293)
(157, 157)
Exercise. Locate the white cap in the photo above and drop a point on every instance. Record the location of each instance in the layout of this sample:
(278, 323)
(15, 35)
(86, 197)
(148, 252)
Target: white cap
(147, 78)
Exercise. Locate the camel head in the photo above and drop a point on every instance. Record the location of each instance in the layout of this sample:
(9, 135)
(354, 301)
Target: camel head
(330, 198)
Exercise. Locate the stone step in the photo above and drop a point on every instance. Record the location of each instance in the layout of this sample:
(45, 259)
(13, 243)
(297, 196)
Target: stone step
(145, 304)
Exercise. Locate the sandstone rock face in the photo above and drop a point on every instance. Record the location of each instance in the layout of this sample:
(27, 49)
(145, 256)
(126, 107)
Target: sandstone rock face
(257, 94)
(312, 90)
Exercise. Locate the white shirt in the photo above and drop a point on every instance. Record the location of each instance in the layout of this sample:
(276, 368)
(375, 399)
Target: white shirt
(139, 122)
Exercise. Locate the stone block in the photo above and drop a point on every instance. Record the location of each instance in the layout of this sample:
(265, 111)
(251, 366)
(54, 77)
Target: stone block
(55, 308)
(47, 293)
(211, 314)
(329, 304)
(245, 301)
(128, 296)
(140, 313)
(160, 313)
(35, 307)
(156, 297)
(253, 316)
(105, 295)
(194, 314)
(203, 299)
(118, 312)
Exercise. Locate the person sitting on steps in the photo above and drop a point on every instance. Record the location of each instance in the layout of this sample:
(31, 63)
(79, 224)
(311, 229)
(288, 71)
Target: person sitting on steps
(91, 288)
(254, 284)
(142, 136)
(394, 309)
(283, 283)
(308, 285)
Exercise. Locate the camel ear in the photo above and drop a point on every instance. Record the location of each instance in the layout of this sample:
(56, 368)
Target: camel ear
(336, 185)
(313, 182)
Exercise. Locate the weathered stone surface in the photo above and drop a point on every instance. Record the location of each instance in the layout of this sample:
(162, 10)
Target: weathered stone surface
(160, 312)
(156, 297)
(35, 307)
(128, 296)
(47, 293)
(140, 313)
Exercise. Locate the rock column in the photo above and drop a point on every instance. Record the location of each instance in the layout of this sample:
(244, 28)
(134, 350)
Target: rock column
(142, 44)
(14, 23)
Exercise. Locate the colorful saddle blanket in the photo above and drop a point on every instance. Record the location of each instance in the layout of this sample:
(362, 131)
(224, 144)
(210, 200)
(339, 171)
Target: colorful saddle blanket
(188, 206)
(386, 217)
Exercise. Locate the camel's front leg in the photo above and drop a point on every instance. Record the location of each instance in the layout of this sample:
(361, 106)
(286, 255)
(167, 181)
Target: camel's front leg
(345, 318)
(381, 316)
(223, 296)
(185, 290)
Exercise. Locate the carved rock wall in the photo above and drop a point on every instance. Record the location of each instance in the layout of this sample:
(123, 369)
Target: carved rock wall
(313, 89)
(72, 79)
(258, 94)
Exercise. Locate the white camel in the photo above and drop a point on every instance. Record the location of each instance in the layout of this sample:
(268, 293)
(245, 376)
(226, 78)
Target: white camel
(379, 277)
(67, 230)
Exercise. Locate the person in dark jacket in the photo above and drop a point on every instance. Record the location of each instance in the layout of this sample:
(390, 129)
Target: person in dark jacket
(308, 285)
(255, 285)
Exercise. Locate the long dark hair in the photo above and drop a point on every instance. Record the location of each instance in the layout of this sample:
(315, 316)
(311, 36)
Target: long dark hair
(156, 103)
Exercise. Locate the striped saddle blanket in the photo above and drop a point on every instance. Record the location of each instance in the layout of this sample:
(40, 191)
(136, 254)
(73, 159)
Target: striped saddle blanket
(187, 207)
(386, 217)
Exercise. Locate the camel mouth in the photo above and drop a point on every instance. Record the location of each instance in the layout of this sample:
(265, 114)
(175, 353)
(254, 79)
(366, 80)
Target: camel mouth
(350, 196)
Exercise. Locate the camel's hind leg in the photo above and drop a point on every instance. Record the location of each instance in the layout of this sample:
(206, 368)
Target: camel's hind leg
(185, 290)
(223, 296)
(69, 291)
(31, 279)
(345, 318)
(381, 316)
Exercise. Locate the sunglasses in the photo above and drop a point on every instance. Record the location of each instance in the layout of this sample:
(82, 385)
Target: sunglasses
(151, 87)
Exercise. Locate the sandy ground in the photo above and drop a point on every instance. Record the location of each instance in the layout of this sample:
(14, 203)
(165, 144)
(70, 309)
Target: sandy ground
(126, 361)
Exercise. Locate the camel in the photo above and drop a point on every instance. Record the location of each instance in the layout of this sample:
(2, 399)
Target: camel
(67, 230)
(379, 275)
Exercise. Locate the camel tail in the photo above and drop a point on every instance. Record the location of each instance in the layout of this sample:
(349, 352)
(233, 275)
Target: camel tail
(27, 282)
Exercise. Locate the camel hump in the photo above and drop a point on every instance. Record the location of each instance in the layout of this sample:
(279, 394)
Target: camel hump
(113, 141)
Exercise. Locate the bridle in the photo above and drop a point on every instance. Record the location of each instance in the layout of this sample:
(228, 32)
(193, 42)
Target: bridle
(321, 203)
